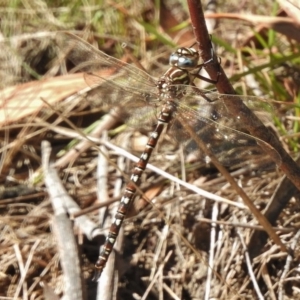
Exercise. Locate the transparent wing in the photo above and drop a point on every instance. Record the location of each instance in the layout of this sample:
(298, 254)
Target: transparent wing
(89, 59)
(127, 87)
(224, 134)
(136, 93)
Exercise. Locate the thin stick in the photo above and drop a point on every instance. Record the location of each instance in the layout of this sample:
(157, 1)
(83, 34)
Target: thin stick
(250, 270)
(287, 266)
(283, 193)
(24, 269)
(156, 276)
(236, 106)
(108, 282)
(211, 252)
(259, 216)
(256, 227)
(120, 151)
(67, 246)
(108, 122)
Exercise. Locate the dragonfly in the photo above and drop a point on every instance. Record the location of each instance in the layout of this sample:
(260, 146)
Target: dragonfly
(168, 102)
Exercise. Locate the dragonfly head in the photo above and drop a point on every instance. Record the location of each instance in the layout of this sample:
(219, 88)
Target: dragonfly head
(184, 58)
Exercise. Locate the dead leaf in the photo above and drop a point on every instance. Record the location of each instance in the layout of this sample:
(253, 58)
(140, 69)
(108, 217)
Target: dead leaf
(24, 100)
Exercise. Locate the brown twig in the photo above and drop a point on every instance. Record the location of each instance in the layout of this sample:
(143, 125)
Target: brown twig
(280, 198)
(78, 135)
(109, 121)
(106, 283)
(236, 106)
(249, 267)
(67, 246)
(287, 267)
(258, 215)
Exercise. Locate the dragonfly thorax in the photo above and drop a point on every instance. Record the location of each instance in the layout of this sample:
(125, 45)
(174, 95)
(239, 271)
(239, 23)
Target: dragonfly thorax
(184, 58)
(171, 83)
(182, 61)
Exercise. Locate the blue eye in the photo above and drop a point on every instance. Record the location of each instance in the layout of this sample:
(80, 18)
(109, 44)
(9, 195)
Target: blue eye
(173, 59)
(184, 58)
(185, 62)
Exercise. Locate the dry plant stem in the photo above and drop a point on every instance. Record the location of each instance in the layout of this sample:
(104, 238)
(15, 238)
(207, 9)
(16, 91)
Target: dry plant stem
(102, 170)
(78, 135)
(85, 224)
(19, 199)
(242, 225)
(269, 284)
(22, 284)
(109, 121)
(67, 246)
(160, 248)
(106, 282)
(215, 212)
(258, 215)
(24, 269)
(252, 123)
(283, 193)
(287, 267)
(170, 292)
(156, 275)
(250, 270)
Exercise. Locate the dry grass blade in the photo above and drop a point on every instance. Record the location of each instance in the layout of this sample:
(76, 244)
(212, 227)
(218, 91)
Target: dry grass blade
(157, 274)
(24, 268)
(283, 193)
(211, 252)
(259, 216)
(267, 279)
(287, 267)
(250, 269)
(109, 122)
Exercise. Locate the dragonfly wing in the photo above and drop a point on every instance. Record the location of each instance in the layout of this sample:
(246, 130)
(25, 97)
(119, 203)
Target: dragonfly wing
(88, 59)
(209, 119)
(137, 109)
(114, 83)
